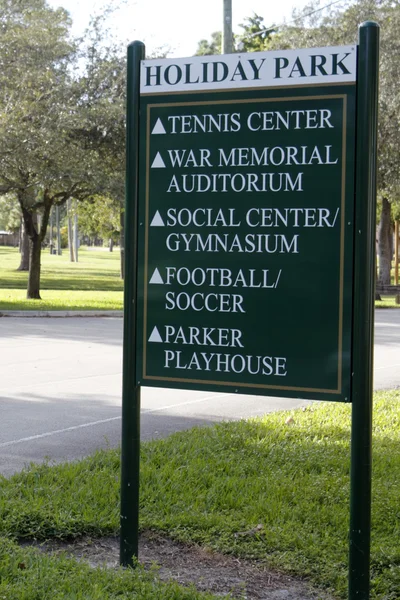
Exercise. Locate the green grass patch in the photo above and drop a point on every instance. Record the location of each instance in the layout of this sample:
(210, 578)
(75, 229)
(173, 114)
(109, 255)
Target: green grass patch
(93, 283)
(96, 270)
(61, 300)
(96, 276)
(215, 486)
(386, 302)
(27, 574)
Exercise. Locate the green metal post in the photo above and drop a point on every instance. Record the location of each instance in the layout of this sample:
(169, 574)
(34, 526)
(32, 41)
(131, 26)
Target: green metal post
(364, 288)
(130, 450)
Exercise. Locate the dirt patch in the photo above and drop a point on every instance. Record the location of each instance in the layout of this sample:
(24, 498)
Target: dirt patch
(207, 570)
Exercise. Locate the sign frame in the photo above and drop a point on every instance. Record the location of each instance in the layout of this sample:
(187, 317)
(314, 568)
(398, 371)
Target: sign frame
(362, 322)
(318, 304)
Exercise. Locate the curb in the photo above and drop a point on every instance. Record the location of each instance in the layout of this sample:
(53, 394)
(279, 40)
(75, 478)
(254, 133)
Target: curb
(61, 313)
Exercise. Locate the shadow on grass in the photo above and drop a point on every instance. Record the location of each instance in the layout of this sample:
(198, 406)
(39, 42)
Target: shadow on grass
(94, 271)
(94, 281)
(259, 489)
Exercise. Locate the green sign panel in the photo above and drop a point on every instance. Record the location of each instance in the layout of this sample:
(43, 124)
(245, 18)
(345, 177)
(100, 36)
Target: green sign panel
(246, 234)
(250, 242)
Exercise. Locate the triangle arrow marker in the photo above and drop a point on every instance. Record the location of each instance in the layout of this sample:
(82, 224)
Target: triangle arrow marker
(157, 220)
(158, 162)
(158, 128)
(155, 336)
(156, 277)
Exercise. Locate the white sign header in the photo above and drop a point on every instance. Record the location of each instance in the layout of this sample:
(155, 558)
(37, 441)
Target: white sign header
(256, 69)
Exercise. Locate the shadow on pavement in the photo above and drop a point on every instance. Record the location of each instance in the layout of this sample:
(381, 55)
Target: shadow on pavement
(44, 437)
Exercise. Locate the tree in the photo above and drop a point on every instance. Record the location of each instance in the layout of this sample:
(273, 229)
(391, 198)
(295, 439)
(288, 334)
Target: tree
(337, 26)
(256, 37)
(34, 55)
(102, 96)
(206, 48)
(53, 144)
(10, 215)
(100, 216)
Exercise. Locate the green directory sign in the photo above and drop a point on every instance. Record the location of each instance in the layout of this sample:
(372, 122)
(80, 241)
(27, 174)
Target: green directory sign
(250, 242)
(246, 218)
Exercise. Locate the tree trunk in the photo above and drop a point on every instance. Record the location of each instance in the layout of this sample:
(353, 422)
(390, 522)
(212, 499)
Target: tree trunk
(24, 249)
(33, 292)
(76, 233)
(111, 245)
(396, 253)
(35, 247)
(122, 244)
(51, 241)
(59, 251)
(35, 238)
(384, 244)
(70, 233)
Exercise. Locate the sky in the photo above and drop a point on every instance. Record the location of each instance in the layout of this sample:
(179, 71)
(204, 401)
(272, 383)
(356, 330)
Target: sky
(177, 24)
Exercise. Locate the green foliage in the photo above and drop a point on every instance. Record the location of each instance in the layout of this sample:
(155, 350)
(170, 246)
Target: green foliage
(262, 489)
(213, 46)
(387, 302)
(34, 58)
(100, 216)
(28, 574)
(100, 94)
(62, 300)
(338, 25)
(58, 123)
(61, 116)
(10, 214)
(256, 36)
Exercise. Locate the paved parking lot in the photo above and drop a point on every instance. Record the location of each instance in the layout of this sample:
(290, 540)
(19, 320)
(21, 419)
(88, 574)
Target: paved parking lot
(60, 389)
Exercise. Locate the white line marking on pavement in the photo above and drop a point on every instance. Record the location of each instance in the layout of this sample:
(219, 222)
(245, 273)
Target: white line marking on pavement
(49, 433)
(93, 423)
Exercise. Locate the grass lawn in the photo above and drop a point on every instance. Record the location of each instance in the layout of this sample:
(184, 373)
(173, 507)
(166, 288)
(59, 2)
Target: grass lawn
(27, 574)
(260, 489)
(93, 283)
(61, 300)
(386, 302)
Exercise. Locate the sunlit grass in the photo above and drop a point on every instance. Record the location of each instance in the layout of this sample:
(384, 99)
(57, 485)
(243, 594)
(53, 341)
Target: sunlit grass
(95, 270)
(265, 489)
(61, 300)
(28, 574)
(387, 302)
(93, 283)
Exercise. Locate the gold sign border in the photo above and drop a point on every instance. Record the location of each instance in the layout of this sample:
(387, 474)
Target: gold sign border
(294, 86)
(343, 97)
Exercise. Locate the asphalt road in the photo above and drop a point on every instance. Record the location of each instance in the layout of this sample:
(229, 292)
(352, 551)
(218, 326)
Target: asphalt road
(60, 389)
